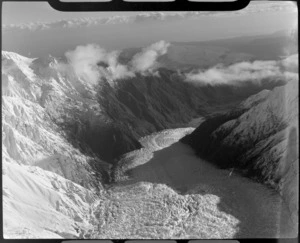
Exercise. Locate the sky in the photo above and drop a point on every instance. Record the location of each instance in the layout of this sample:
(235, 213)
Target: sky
(24, 12)
(33, 28)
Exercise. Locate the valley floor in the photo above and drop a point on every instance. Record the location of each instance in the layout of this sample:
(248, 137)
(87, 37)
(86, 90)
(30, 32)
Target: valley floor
(165, 191)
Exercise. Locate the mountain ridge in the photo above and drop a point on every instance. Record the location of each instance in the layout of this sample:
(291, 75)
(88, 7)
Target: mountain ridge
(63, 137)
(255, 140)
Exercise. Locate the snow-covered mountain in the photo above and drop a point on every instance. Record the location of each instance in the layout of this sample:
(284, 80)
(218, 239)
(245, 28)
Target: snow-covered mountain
(61, 135)
(49, 186)
(55, 136)
(259, 139)
(31, 106)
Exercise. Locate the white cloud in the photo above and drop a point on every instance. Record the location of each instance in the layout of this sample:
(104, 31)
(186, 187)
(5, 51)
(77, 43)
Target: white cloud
(290, 63)
(116, 70)
(146, 60)
(91, 62)
(84, 61)
(245, 71)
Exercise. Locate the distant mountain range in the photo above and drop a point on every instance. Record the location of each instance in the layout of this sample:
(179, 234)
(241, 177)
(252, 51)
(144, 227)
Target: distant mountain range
(188, 55)
(180, 54)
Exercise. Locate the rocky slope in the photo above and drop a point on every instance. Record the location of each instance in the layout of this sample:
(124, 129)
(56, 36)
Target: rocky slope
(258, 139)
(49, 186)
(109, 118)
(32, 107)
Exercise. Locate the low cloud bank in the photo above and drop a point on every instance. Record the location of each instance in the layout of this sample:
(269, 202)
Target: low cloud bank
(146, 60)
(91, 62)
(245, 71)
(290, 63)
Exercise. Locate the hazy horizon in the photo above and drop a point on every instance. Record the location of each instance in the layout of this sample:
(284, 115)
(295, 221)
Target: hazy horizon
(39, 29)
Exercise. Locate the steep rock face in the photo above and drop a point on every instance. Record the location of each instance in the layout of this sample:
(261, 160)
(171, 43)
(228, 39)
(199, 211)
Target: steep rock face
(49, 186)
(31, 105)
(259, 139)
(150, 103)
(132, 108)
(135, 107)
(146, 104)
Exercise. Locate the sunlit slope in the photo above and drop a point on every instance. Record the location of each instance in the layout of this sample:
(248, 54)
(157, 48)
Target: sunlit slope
(42, 204)
(258, 139)
(49, 185)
